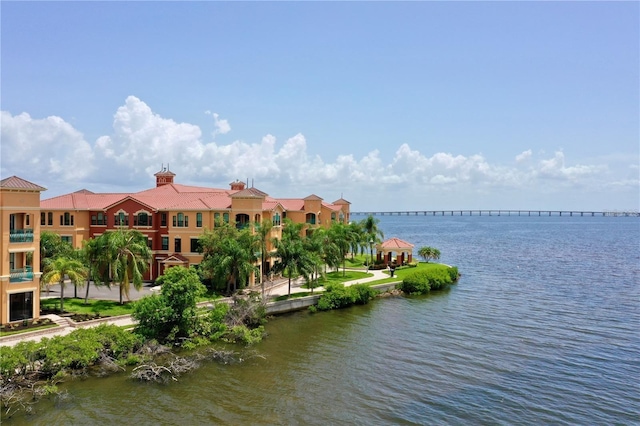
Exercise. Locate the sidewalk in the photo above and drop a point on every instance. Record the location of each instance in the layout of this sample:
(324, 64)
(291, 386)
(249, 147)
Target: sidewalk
(65, 327)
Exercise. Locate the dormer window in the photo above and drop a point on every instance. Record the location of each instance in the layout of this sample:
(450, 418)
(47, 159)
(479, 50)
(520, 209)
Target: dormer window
(276, 219)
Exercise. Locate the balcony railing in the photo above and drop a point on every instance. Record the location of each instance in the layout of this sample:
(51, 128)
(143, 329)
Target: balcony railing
(21, 275)
(21, 235)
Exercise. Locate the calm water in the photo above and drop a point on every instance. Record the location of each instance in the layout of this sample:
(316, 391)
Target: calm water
(543, 328)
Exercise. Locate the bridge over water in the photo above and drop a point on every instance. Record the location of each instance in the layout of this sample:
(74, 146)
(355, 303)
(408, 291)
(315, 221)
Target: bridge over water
(498, 213)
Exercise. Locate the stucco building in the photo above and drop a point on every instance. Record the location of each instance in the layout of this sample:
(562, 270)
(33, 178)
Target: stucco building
(173, 216)
(20, 255)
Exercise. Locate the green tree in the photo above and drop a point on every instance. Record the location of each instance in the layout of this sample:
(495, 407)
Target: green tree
(341, 236)
(128, 257)
(263, 231)
(292, 259)
(373, 234)
(229, 256)
(172, 315)
(428, 253)
(52, 246)
(60, 268)
(94, 259)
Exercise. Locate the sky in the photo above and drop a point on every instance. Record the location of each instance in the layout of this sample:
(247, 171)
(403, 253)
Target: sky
(390, 105)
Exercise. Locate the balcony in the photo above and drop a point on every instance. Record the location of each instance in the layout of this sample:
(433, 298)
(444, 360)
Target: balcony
(21, 235)
(21, 275)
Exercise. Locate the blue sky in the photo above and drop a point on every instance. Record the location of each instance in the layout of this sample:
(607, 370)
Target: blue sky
(428, 105)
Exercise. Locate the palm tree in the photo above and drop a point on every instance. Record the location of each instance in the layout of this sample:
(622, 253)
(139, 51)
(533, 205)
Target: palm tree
(59, 268)
(292, 259)
(93, 257)
(429, 253)
(128, 257)
(236, 260)
(373, 233)
(341, 237)
(263, 230)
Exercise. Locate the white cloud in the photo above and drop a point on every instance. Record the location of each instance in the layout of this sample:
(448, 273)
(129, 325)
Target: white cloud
(222, 126)
(47, 148)
(524, 156)
(142, 141)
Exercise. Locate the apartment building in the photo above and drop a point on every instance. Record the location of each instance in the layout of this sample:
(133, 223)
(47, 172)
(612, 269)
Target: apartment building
(20, 265)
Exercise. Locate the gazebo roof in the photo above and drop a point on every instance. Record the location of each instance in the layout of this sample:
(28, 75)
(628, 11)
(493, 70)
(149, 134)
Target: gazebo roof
(395, 244)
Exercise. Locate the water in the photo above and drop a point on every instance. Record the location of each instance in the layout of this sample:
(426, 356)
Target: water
(542, 329)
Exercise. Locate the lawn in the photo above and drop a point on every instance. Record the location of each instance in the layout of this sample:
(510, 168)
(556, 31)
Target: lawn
(23, 327)
(106, 308)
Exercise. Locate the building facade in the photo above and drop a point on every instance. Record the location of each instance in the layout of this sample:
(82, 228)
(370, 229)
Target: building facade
(173, 216)
(20, 264)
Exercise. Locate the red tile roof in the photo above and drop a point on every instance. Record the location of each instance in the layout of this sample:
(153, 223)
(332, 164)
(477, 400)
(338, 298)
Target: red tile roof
(14, 182)
(173, 197)
(395, 243)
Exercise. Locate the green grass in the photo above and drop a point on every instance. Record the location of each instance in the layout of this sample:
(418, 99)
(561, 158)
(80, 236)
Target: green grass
(400, 274)
(106, 308)
(357, 261)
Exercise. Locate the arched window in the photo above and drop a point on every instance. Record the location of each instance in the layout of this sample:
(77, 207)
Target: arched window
(242, 220)
(225, 217)
(333, 216)
(142, 219)
(311, 218)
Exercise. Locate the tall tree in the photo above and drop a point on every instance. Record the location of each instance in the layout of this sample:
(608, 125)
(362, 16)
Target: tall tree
(292, 259)
(341, 236)
(60, 268)
(95, 260)
(128, 257)
(52, 246)
(229, 256)
(373, 233)
(263, 231)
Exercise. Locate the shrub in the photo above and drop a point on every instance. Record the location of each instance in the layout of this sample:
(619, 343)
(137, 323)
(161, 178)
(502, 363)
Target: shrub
(363, 293)
(415, 283)
(421, 282)
(336, 296)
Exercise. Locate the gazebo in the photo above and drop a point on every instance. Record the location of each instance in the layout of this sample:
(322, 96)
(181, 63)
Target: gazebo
(394, 249)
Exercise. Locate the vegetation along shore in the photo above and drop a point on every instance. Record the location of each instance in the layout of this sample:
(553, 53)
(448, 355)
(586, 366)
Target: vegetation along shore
(173, 330)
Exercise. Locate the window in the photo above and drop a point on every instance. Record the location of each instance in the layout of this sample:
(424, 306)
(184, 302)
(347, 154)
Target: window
(276, 219)
(50, 218)
(333, 216)
(284, 215)
(43, 219)
(165, 243)
(199, 220)
(27, 219)
(242, 220)
(121, 219)
(66, 219)
(142, 219)
(177, 245)
(311, 218)
(195, 245)
(163, 219)
(216, 218)
(225, 217)
(67, 239)
(102, 219)
(181, 221)
(150, 243)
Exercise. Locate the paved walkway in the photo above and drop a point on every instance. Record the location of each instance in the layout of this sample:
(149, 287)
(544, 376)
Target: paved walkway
(280, 288)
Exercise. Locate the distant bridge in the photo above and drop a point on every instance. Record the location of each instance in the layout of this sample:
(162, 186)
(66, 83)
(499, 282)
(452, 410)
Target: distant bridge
(499, 213)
